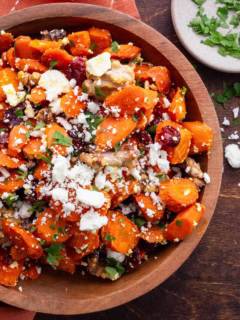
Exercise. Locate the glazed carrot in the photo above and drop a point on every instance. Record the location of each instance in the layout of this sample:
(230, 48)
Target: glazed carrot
(38, 95)
(120, 234)
(120, 129)
(84, 242)
(185, 222)
(30, 65)
(125, 51)
(161, 76)
(6, 41)
(31, 270)
(12, 184)
(42, 171)
(33, 148)
(144, 115)
(153, 234)
(9, 162)
(40, 188)
(18, 253)
(51, 131)
(9, 274)
(179, 153)
(7, 76)
(3, 107)
(80, 43)
(11, 57)
(18, 138)
(119, 193)
(22, 238)
(43, 45)
(100, 38)
(50, 228)
(177, 110)
(71, 105)
(23, 49)
(66, 262)
(152, 212)
(61, 57)
(178, 193)
(202, 136)
(141, 72)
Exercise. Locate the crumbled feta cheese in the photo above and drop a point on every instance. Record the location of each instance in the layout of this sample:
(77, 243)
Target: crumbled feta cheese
(166, 116)
(226, 122)
(206, 178)
(22, 210)
(235, 112)
(100, 64)
(11, 95)
(92, 220)
(55, 83)
(93, 107)
(59, 194)
(163, 165)
(115, 255)
(100, 180)
(135, 173)
(73, 83)
(234, 136)
(232, 154)
(90, 198)
(56, 106)
(61, 167)
(66, 125)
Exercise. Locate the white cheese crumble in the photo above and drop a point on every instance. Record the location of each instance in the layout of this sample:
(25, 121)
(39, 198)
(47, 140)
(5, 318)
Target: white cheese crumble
(91, 198)
(100, 64)
(226, 122)
(115, 255)
(100, 180)
(232, 154)
(206, 178)
(235, 112)
(22, 210)
(56, 106)
(92, 220)
(11, 95)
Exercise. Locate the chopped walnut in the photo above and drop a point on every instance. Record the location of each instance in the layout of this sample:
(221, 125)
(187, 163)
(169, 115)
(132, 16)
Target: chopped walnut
(54, 34)
(192, 168)
(45, 115)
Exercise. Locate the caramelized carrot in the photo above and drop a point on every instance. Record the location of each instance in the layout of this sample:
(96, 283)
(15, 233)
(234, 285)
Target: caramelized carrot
(23, 49)
(178, 193)
(51, 228)
(50, 132)
(120, 234)
(42, 170)
(141, 72)
(125, 51)
(43, 45)
(3, 107)
(152, 211)
(61, 57)
(31, 270)
(71, 104)
(80, 43)
(12, 183)
(6, 41)
(30, 65)
(22, 238)
(38, 95)
(202, 136)
(9, 274)
(161, 76)
(11, 57)
(153, 234)
(120, 129)
(66, 262)
(100, 38)
(9, 162)
(17, 138)
(185, 222)
(18, 253)
(177, 110)
(7, 76)
(33, 148)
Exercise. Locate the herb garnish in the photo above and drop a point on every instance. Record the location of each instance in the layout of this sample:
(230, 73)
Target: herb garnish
(108, 237)
(53, 63)
(114, 46)
(54, 253)
(61, 139)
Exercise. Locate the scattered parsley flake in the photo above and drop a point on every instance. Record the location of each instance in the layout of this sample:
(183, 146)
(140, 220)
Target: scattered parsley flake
(53, 63)
(179, 223)
(54, 253)
(61, 139)
(108, 237)
(42, 157)
(114, 46)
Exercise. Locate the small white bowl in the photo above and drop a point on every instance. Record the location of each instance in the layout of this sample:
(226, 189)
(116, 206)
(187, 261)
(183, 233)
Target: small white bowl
(183, 11)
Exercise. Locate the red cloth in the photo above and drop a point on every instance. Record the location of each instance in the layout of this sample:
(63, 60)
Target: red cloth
(126, 6)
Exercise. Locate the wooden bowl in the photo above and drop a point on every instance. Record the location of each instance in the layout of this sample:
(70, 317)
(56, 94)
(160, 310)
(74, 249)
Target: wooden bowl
(60, 293)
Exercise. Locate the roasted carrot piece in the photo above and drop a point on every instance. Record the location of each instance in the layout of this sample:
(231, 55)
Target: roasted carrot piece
(38, 95)
(177, 110)
(40, 191)
(150, 100)
(71, 105)
(43, 45)
(51, 228)
(179, 153)
(120, 129)
(3, 107)
(66, 262)
(101, 38)
(22, 238)
(62, 57)
(30, 65)
(202, 136)
(51, 130)
(152, 211)
(31, 270)
(160, 75)
(153, 234)
(11, 57)
(9, 162)
(7, 76)
(185, 222)
(84, 242)
(141, 72)
(9, 274)
(18, 253)
(80, 43)
(18, 138)
(42, 170)
(129, 100)
(12, 184)
(6, 41)
(23, 49)
(125, 51)
(120, 193)
(178, 193)
(120, 234)
(33, 148)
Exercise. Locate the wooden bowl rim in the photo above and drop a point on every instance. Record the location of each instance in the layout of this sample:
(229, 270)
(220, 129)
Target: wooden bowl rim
(181, 252)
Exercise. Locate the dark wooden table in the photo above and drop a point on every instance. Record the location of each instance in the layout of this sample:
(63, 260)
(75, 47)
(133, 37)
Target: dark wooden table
(207, 286)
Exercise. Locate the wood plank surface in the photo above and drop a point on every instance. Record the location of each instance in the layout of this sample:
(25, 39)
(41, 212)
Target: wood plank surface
(207, 286)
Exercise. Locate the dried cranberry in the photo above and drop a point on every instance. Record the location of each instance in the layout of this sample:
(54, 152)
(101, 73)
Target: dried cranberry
(76, 70)
(78, 142)
(11, 119)
(4, 138)
(8, 261)
(132, 261)
(169, 137)
(147, 246)
(157, 113)
(144, 137)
